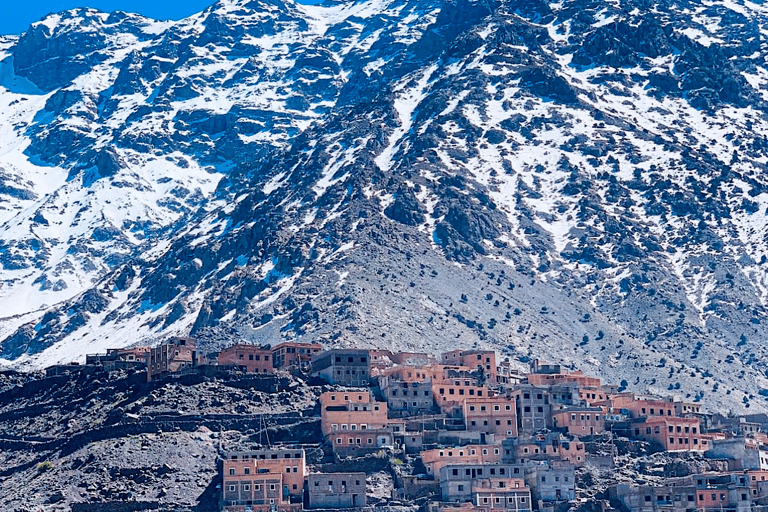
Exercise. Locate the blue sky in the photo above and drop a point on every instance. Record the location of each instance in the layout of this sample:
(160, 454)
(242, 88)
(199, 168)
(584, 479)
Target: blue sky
(16, 16)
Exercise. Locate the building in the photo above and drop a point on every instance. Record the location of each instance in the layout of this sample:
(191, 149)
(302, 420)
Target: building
(291, 355)
(348, 367)
(484, 360)
(173, 356)
(249, 358)
(636, 406)
(501, 494)
(356, 424)
(407, 397)
(579, 421)
(265, 480)
(120, 358)
(450, 391)
(361, 442)
(492, 415)
(551, 379)
(551, 481)
(673, 433)
(351, 411)
(749, 453)
(534, 410)
(705, 493)
(434, 460)
(336, 490)
(543, 447)
(456, 479)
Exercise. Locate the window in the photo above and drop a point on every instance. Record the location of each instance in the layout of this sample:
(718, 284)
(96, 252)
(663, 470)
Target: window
(246, 487)
(247, 471)
(231, 471)
(232, 488)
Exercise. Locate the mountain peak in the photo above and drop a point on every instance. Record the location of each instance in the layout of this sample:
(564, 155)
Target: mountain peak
(582, 182)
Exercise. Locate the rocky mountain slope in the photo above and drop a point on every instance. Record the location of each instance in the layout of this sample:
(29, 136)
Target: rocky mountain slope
(579, 181)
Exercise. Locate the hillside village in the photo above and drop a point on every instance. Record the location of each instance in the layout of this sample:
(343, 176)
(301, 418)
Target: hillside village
(468, 432)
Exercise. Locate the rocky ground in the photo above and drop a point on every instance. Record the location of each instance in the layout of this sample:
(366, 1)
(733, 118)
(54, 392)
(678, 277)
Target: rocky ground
(113, 438)
(93, 442)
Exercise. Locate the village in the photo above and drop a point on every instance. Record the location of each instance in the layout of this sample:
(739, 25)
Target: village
(483, 436)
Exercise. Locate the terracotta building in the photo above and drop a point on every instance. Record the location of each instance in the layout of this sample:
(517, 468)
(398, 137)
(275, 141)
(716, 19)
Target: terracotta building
(173, 356)
(450, 392)
(265, 480)
(336, 490)
(674, 434)
(351, 411)
(493, 415)
(435, 460)
(249, 358)
(358, 443)
(638, 406)
(579, 421)
(473, 359)
(117, 358)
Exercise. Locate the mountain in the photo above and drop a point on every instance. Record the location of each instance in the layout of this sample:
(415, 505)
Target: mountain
(580, 181)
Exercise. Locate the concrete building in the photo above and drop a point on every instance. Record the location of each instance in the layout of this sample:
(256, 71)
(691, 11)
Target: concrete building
(748, 452)
(407, 397)
(173, 356)
(534, 409)
(551, 481)
(249, 358)
(704, 493)
(291, 355)
(348, 367)
(336, 490)
(544, 447)
(501, 494)
(456, 479)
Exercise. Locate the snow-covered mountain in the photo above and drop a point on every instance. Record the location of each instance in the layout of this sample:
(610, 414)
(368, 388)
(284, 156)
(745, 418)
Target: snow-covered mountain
(583, 181)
